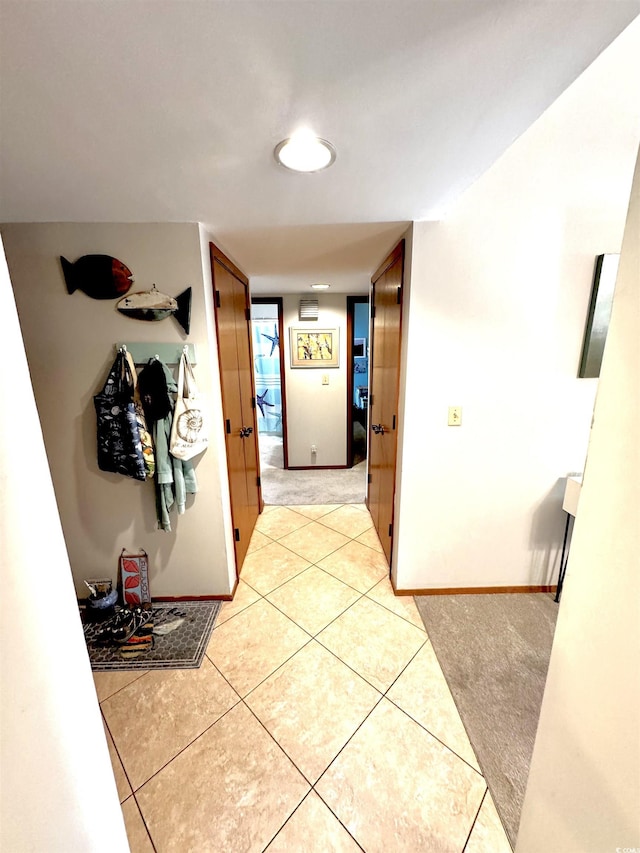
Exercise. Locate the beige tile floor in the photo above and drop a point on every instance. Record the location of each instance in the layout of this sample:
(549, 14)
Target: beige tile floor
(319, 720)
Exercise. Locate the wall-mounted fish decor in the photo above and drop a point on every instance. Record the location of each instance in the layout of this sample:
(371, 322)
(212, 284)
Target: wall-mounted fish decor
(154, 305)
(99, 276)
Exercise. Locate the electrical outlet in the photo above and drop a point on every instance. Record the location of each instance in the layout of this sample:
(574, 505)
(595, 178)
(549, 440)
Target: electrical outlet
(455, 416)
(325, 378)
(314, 449)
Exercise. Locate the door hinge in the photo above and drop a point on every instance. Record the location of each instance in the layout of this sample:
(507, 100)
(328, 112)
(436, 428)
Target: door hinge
(253, 402)
(368, 478)
(258, 481)
(236, 533)
(390, 530)
(247, 314)
(217, 298)
(370, 403)
(399, 296)
(373, 311)
(228, 426)
(394, 422)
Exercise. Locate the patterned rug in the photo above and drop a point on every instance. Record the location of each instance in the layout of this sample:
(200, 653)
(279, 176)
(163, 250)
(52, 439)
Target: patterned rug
(182, 648)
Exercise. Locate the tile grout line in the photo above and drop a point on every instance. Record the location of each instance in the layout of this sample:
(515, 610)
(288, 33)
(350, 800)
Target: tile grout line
(326, 571)
(435, 737)
(280, 665)
(344, 746)
(115, 746)
(313, 784)
(124, 770)
(306, 797)
(473, 822)
(144, 822)
(143, 672)
(306, 630)
(284, 752)
(197, 737)
(308, 521)
(399, 615)
(338, 819)
(422, 726)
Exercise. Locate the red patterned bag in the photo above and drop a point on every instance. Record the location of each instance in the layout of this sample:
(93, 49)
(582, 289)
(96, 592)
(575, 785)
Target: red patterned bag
(134, 579)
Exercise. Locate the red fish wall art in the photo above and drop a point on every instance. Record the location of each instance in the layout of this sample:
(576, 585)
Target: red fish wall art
(99, 276)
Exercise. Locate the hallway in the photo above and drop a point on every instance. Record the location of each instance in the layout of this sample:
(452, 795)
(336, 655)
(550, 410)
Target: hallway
(319, 720)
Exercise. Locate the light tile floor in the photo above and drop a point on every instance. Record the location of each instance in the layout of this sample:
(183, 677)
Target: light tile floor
(319, 720)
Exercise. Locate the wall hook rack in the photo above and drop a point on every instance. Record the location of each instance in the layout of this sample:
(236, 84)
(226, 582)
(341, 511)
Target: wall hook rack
(168, 353)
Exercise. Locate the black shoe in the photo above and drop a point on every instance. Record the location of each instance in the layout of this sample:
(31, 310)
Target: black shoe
(136, 620)
(121, 619)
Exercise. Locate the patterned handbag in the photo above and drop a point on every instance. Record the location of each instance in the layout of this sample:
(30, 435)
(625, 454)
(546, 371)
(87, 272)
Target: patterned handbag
(148, 453)
(119, 445)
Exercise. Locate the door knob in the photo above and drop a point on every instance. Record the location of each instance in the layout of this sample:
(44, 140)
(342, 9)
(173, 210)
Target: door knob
(245, 432)
(378, 429)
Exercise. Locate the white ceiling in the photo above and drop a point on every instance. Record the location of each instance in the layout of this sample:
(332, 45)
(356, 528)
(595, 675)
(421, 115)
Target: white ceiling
(169, 110)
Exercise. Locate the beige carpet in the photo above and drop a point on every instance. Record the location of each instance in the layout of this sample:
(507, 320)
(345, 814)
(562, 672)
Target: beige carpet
(298, 488)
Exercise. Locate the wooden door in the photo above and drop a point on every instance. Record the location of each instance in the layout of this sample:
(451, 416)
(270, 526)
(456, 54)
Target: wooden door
(386, 307)
(231, 300)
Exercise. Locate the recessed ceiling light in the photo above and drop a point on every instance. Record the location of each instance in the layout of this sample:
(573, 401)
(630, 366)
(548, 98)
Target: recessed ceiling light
(320, 286)
(305, 152)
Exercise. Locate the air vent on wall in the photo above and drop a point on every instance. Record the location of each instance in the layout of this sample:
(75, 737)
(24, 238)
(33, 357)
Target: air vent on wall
(308, 309)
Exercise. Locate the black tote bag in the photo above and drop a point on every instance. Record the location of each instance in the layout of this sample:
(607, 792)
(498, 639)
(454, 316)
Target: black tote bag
(119, 445)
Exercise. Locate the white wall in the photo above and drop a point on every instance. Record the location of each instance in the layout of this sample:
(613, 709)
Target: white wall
(57, 791)
(497, 308)
(316, 413)
(69, 341)
(583, 794)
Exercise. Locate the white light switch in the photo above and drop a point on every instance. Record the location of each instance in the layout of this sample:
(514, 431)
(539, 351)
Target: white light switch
(325, 378)
(455, 416)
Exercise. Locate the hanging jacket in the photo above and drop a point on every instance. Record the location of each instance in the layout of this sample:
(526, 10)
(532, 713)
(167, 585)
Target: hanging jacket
(175, 478)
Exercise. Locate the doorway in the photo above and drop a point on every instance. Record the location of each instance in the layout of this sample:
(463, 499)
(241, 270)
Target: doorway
(357, 378)
(268, 369)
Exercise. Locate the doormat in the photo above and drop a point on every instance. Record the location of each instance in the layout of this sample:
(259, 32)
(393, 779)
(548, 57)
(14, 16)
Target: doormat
(182, 648)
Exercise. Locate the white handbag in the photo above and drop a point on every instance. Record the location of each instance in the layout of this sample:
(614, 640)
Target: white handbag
(190, 425)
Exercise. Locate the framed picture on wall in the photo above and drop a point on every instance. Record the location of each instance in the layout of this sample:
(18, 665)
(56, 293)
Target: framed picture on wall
(315, 347)
(604, 283)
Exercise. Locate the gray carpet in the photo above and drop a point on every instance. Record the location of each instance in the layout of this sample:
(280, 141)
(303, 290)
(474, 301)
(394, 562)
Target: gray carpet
(494, 651)
(297, 488)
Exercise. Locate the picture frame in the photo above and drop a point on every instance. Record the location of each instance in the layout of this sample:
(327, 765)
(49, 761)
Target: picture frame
(597, 326)
(314, 347)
